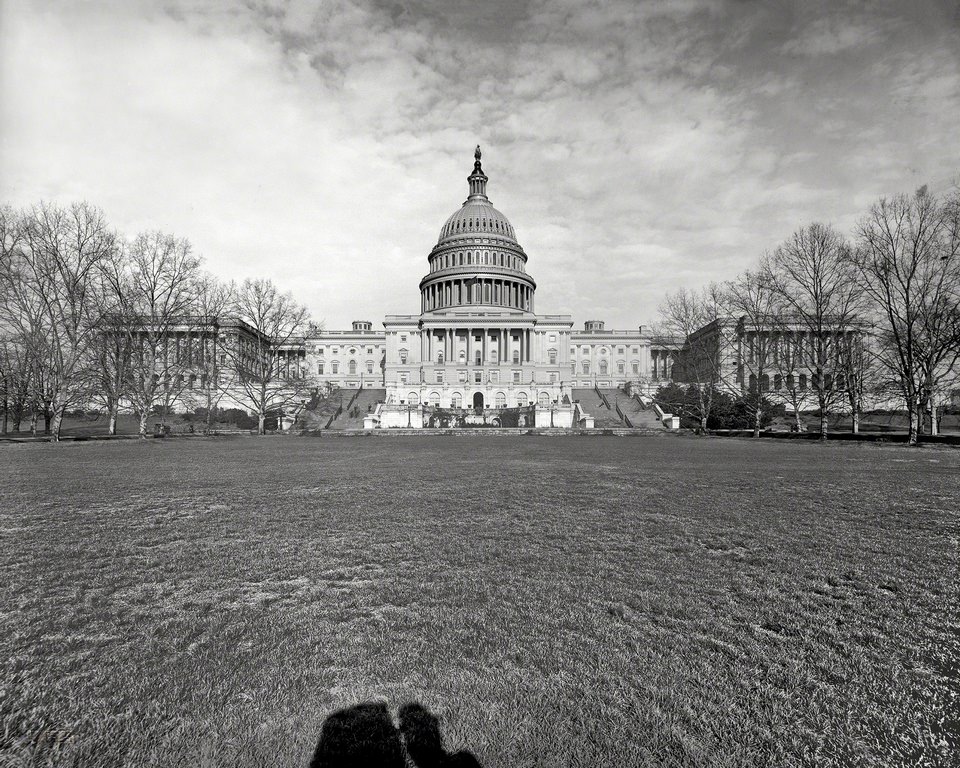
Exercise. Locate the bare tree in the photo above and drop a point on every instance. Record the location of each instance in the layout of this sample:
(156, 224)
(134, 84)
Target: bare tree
(215, 301)
(752, 298)
(52, 287)
(821, 306)
(154, 290)
(699, 317)
(276, 320)
(908, 264)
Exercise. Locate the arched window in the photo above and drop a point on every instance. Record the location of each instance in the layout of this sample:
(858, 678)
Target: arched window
(435, 399)
(522, 399)
(602, 367)
(791, 382)
(462, 356)
(778, 382)
(764, 383)
(352, 367)
(479, 357)
(803, 382)
(456, 400)
(501, 400)
(516, 356)
(543, 398)
(586, 366)
(440, 357)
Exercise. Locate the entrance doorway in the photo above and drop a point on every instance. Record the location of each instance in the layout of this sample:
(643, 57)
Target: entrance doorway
(478, 401)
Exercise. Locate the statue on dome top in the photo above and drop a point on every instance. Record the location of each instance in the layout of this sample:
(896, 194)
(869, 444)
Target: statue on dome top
(476, 163)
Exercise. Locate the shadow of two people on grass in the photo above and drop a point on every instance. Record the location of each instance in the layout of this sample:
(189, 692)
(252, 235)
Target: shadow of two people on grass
(365, 735)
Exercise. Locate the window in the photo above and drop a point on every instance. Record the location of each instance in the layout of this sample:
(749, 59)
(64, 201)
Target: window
(516, 377)
(552, 338)
(479, 357)
(462, 356)
(554, 375)
(552, 356)
(440, 357)
(369, 350)
(621, 366)
(573, 368)
(435, 399)
(778, 382)
(403, 356)
(402, 376)
(543, 399)
(462, 377)
(501, 400)
(495, 377)
(636, 366)
(352, 367)
(478, 377)
(413, 398)
(369, 366)
(334, 367)
(620, 350)
(603, 367)
(522, 399)
(403, 339)
(439, 374)
(353, 351)
(320, 367)
(456, 400)
(320, 351)
(516, 356)
(586, 367)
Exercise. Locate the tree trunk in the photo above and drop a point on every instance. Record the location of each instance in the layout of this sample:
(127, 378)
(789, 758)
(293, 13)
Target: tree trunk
(209, 410)
(57, 422)
(33, 422)
(46, 418)
(703, 425)
(914, 415)
(855, 421)
(756, 423)
(261, 418)
(112, 424)
(144, 416)
(934, 427)
(796, 419)
(823, 425)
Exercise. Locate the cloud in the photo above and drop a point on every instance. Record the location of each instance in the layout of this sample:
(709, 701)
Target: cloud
(636, 147)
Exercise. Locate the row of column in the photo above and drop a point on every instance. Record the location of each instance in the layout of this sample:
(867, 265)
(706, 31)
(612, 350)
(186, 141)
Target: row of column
(461, 292)
(435, 341)
(660, 364)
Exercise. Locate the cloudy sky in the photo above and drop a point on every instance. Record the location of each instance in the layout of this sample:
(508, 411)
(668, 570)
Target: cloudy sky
(635, 147)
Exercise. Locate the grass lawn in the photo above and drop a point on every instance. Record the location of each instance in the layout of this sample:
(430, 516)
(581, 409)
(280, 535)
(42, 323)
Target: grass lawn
(554, 601)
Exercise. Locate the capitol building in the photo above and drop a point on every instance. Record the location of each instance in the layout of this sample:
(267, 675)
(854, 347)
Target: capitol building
(478, 341)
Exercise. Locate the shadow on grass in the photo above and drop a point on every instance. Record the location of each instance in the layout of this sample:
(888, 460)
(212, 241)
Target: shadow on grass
(364, 735)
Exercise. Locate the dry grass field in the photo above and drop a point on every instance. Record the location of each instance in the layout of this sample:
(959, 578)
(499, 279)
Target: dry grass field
(554, 601)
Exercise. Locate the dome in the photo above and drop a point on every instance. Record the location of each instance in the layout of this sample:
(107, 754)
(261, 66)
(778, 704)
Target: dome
(480, 217)
(477, 214)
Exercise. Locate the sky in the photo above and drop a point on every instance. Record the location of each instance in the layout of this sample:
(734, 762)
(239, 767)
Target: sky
(636, 147)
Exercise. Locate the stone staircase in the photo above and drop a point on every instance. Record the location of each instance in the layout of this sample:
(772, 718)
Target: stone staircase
(593, 404)
(352, 416)
(317, 414)
(639, 416)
